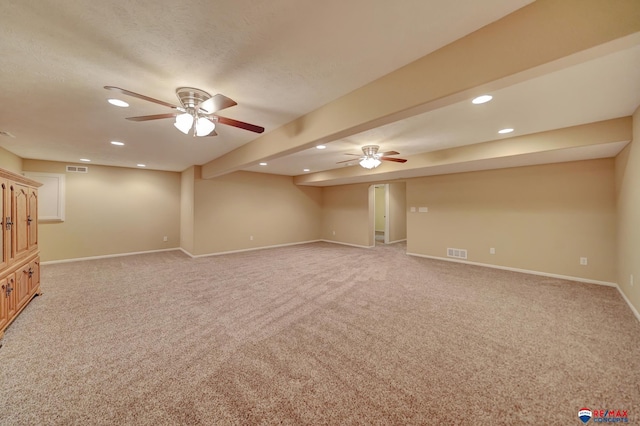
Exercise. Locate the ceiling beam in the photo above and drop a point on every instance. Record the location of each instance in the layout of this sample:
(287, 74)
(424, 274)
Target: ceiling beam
(499, 153)
(545, 36)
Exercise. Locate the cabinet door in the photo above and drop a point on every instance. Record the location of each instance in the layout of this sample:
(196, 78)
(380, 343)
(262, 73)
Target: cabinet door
(10, 293)
(20, 210)
(4, 314)
(5, 216)
(22, 286)
(32, 219)
(34, 272)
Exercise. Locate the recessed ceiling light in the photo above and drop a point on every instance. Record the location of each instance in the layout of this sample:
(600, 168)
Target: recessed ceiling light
(503, 131)
(263, 164)
(86, 160)
(321, 146)
(306, 170)
(141, 165)
(117, 143)
(118, 103)
(482, 99)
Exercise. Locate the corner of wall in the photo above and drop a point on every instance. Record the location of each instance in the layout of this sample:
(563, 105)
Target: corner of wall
(187, 200)
(627, 171)
(10, 161)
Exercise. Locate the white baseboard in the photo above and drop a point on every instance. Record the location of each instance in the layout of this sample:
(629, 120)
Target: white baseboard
(106, 256)
(221, 253)
(346, 244)
(396, 241)
(524, 271)
(626, 299)
(544, 274)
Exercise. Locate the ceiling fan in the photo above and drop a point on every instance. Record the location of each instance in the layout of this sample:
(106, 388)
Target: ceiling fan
(372, 158)
(196, 111)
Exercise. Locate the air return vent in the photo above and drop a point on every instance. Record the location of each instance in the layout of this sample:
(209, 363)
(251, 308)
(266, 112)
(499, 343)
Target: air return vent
(457, 253)
(77, 169)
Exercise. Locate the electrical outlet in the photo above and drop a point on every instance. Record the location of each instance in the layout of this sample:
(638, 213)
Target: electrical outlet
(492, 250)
(250, 237)
(631, 280)
(583, 261)
(165, 238)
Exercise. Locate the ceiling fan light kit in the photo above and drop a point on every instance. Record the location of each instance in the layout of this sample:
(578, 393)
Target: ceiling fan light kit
(372, 158)
(184, 122)
(370, 162)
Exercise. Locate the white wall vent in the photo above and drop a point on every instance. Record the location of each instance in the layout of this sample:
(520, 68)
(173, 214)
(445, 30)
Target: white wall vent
(457, 253)
(78, 169)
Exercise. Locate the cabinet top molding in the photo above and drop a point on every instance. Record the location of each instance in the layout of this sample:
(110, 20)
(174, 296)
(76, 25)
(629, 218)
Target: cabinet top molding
(6, 174)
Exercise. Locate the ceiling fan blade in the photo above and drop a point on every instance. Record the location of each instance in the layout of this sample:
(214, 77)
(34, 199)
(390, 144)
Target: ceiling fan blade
(397, 160)
(356, 155)
(217, 103)
(239, 124)
(388, 153)
(353, 160)
(154, 117)
(213, 133)
(139, 96)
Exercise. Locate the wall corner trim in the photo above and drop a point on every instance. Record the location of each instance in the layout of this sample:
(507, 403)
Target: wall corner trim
(626, 299)
(346, 244)
(187, 253)
(396, 241)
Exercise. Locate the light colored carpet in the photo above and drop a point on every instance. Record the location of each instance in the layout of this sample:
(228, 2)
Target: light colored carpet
(314, 334)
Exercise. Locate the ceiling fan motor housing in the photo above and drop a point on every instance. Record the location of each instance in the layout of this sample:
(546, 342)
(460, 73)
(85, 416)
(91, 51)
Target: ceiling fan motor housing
(370, 150)
(190, 97)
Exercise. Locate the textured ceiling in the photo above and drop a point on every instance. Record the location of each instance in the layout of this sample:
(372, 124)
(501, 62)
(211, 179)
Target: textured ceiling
(279, 60)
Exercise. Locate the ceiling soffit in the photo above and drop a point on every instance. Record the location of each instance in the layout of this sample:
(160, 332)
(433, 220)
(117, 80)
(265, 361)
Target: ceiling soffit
(535, 37)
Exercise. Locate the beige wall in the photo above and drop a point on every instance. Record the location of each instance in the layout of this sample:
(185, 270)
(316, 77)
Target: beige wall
(538, 218)
(628, 203)
(349, 211)
(397, 211)
(10, 161)
(231, 208)
(111, 210)
(346, 215)
(187, 195)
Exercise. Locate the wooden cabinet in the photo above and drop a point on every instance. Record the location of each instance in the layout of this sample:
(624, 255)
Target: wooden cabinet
(5, 213)
(19, 260)
(34, 276)
(4, 305)
(24, 206)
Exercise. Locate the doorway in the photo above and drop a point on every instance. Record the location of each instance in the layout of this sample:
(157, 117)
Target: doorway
(388, 212)
(381, 214)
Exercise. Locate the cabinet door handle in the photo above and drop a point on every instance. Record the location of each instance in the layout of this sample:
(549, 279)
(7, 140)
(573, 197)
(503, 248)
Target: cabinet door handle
(29, 220)
(8, 222)
(30, 272)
